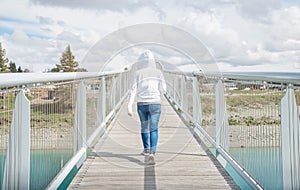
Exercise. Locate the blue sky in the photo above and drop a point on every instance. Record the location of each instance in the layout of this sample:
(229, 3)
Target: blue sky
(243, 35)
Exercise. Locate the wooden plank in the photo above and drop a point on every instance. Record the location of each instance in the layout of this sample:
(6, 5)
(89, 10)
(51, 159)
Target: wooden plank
(181, 162)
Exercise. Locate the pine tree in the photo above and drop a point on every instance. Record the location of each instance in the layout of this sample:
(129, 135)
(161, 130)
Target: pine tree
(3, 60)
(20, 69)
(54, 69)
(12, 67)
(67, 61)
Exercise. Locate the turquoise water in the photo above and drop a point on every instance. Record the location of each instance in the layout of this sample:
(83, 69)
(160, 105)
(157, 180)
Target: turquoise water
(263, 164)
(44, 166)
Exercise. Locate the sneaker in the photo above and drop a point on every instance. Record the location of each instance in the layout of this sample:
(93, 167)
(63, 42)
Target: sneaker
(146, 152)
(151, 159)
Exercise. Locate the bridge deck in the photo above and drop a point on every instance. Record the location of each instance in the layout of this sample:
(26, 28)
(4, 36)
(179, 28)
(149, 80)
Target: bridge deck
(181, 161)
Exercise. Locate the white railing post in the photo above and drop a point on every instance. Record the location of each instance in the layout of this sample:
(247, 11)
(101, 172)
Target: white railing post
(124, 79)
(197, 107)
(166, 75)
(101, 107)
(114, 92)
(290, 140)
(222, 129)
(120, 85)
(175, 87)
(184, 102)
(103, 99)
(181, 99)
(17, 165)
(127, 80)
(80, 119)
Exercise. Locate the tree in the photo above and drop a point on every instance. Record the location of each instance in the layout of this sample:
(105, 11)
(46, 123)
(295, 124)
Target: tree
(67, 62)
(3, 60)
(12, 67)
(20, 69)
(55, 70)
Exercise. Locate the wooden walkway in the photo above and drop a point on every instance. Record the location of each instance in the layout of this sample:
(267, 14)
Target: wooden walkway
(181, 160)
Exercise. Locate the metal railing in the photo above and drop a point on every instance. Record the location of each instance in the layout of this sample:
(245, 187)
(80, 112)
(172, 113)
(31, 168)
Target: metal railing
(249, 120)
(49, 121)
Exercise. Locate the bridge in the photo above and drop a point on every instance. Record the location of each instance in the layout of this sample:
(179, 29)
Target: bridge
(182, 161)
(70, 130)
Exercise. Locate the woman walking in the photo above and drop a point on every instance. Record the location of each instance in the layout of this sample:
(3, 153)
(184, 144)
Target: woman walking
(149, 86)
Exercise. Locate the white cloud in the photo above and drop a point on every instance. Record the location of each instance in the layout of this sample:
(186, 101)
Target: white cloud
(257, 9)
(17, 9)
(241, 41)
(32, 53)
(241, 34)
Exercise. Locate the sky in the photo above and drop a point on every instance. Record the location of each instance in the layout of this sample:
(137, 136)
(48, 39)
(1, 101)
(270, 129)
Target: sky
(253, 35)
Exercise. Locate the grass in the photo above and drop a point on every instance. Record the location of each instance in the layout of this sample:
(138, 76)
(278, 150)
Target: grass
(252, 100)
(251, 121)
(52, 120)
(51, 114)
(249, 108)
(58, 113)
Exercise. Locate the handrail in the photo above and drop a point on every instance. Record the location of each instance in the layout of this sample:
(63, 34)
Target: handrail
(293, 78)
(18, 79)
(264, 76)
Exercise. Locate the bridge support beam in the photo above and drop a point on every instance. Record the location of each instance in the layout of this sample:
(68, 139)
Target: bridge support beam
(290, 140)
(17, 165)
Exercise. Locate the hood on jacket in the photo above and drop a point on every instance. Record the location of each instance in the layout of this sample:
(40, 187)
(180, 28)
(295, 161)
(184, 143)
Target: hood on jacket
(146, 61)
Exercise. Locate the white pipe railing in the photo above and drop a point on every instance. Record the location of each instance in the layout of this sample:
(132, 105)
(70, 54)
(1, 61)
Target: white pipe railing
(46, 109)
(19, 79)
(257, 76)
(261, 134)
(243, 76)
(112, 88)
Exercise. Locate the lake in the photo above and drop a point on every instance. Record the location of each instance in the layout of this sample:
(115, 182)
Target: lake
(44, 166)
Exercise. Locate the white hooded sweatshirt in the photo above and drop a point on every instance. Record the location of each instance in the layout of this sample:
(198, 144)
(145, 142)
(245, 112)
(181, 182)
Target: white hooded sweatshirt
(148, 84)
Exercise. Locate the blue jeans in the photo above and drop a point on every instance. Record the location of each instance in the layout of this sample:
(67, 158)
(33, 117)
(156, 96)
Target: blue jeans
(149, 116)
